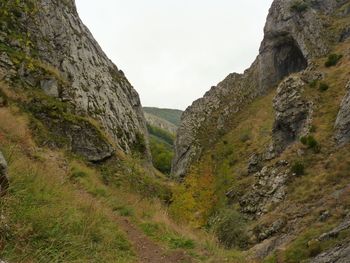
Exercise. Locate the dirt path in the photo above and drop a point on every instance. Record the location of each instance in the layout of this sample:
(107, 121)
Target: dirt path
(146, 249)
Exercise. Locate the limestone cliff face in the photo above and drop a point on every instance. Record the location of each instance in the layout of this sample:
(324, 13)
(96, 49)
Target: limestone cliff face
(80, 72)
(293, 37)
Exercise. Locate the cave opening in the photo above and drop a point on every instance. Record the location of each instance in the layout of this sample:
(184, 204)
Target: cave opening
(289, 58)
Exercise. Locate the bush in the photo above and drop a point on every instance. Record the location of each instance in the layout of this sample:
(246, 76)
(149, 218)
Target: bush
(231, 229)
(333, 60)
(323, 86)
(310, 142)
(162, 155)
(313, 84)
(298, 168)
(299, 6)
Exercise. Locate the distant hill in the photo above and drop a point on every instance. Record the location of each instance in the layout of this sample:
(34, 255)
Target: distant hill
(171, 115)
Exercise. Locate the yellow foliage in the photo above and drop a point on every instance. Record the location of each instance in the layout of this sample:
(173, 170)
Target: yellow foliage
(191, 199)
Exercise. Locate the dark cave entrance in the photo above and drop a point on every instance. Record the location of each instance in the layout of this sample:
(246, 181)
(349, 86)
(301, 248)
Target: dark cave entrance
(288, 58)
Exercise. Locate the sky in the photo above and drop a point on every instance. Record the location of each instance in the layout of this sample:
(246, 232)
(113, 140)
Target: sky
(173, 51)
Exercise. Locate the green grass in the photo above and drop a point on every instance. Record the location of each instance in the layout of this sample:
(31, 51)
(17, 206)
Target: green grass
(46, 220)
(160, 232)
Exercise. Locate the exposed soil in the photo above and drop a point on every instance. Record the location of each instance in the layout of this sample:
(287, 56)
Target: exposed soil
(146, 249)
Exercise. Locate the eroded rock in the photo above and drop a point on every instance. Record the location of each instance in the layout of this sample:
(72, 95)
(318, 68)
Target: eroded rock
(339, 254)
(269, 188)
(293, 113)
(292, 39)
(4, 183)
(342, 124)
(72, 67)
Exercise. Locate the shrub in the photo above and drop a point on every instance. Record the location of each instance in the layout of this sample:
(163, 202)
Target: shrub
(162, 155)
(299, 6)
(139, 145)
(333, 60)
(310, 142)
(323, 86)
(231, 229)
(298, 168)
(313, 84)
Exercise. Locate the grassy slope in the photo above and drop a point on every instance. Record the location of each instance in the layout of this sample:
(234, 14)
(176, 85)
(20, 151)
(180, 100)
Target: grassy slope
(173, 116)
(223, 167)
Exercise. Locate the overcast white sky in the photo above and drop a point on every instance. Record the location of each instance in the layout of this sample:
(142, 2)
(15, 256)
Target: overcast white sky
(173, 51)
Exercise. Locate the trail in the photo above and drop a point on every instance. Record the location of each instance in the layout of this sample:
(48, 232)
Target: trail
(146, 249)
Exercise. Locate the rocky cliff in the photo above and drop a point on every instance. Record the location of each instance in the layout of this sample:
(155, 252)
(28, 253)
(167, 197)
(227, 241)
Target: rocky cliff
(270, 147)
(295, 33)
(45, 48)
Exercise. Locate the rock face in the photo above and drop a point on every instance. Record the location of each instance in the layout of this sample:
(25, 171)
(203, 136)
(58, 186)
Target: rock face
(342, 125)
(292, 38)
(74, 69)
(339, 254)
(269, 189)
(293, 113)
(4, 184)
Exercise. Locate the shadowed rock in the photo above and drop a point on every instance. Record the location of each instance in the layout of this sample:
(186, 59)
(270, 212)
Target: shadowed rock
(4, 183)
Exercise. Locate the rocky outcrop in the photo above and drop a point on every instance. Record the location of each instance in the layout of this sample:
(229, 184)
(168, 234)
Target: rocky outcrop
(4, 183)
(269, 188)
(339, 254)
(160, 123)
(293, 37)
(68, 64)
(293, 113)
(342, 124)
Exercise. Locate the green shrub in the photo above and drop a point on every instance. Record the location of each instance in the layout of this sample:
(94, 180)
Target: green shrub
(333, 60)
(231, 229)
(162, 155)
(298, 168)
(323, 86)
(139, 145)
(313, 84)
(299, 6)
(310, 142)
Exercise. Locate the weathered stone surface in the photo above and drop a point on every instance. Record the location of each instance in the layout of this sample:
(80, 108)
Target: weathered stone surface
(263, 232)
(293, 113)
(254, 163)
(335, 232)
(4, 183)
(342, 124)
(339, 254)
(74, 69)
(79, 134)
(269, 188)
(291, 40)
